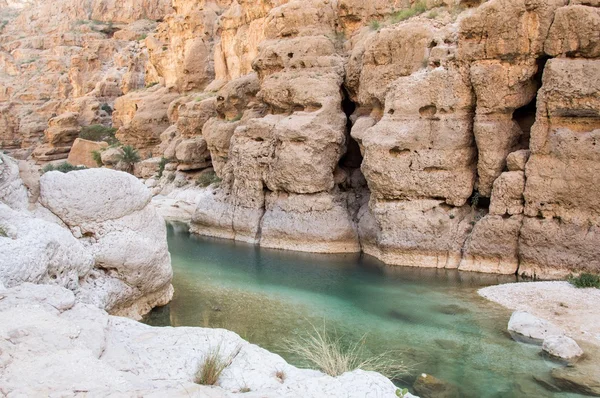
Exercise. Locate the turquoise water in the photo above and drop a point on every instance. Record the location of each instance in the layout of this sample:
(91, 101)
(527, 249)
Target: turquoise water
(432, 319)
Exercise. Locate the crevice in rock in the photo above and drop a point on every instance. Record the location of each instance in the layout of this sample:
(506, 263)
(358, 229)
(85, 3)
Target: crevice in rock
(479, 202)
(352, 159)
(525, 115)
(525, 118)
(262, 216)
(519, 246)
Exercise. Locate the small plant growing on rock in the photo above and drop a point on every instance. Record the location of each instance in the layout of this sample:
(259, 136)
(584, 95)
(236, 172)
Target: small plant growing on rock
(97, 156)
(3, 233)
(401, 393)
(433, 14)
(130, 156)
(475, 199)
(64, 167)
(106, 108)
(213, 364)
(585, 280)
(207, 178)
(375, 25)
(98, 133)
(280, 375)
(161, 166)
(152, 84)
(237, 118)
(330, 355)
(417, 8)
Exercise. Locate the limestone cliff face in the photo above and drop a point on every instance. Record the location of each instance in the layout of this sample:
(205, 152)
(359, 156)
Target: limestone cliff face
(439, 133)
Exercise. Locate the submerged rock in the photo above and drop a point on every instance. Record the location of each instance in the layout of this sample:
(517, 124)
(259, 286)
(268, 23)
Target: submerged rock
(579, 379)
(428, 386)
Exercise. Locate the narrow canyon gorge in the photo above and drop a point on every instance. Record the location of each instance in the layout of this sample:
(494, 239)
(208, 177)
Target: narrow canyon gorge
(447, 134)
(461, 135)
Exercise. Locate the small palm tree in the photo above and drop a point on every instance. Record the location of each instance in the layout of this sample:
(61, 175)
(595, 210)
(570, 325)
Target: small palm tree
(129, 156)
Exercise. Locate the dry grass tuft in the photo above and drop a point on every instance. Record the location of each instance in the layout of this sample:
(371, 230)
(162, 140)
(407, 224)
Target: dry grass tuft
(213, 364)
(328, 353)
(280, 375)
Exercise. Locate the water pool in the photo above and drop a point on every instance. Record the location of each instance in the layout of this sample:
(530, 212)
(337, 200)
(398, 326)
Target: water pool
(433, 319)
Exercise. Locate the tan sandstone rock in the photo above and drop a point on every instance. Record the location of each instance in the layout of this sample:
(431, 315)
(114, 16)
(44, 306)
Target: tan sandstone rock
(81, 152)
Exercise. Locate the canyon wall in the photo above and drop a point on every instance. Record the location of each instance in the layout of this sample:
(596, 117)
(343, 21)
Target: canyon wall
(439, 133)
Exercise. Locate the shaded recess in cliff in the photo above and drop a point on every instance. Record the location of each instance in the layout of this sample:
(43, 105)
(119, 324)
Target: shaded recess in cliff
(352, 159)
(525, 115)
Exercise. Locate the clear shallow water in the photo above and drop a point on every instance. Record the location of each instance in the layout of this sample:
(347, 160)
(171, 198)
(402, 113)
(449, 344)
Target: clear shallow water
(434, 319)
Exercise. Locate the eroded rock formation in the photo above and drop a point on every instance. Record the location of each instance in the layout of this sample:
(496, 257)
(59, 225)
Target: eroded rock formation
(450, 134)
(51, 343)
(92, 231)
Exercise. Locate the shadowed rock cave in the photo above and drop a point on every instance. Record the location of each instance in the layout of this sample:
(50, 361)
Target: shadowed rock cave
(352, 159)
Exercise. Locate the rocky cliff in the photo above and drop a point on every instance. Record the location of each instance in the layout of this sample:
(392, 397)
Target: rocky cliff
(439, 133)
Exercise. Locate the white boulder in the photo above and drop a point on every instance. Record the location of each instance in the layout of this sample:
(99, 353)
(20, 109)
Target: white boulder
(38, 251)
(562, 347)
(525, 327)
(52, 345)
(93, 195)
(12, 191)
(110, 212)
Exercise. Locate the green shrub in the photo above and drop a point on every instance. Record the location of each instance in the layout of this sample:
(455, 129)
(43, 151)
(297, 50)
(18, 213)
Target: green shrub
(161, 166)
(585, 280)
(401, 393)
(237, 118)
(418, 8)
(142, 37)
(97, 156)
(106, 108)
(64, 167)
(475, 199)
(28, 61)
(98, 133)
(151, 84)
(130, 156)
(3, 233)
(375, 25)
(213, 364)
(208, 178)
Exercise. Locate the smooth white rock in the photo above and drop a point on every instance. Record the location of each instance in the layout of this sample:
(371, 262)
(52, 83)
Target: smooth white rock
(40, 252)
(49, 351)
(92, 195)
(110, 212)
(562, 347)
(533, 329)
(12, 190)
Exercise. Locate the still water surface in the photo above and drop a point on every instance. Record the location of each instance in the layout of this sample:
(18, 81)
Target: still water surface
(433, 319)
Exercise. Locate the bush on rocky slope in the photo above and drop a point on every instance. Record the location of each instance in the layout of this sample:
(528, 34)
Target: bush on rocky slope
(585, 280)
(64, 167)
